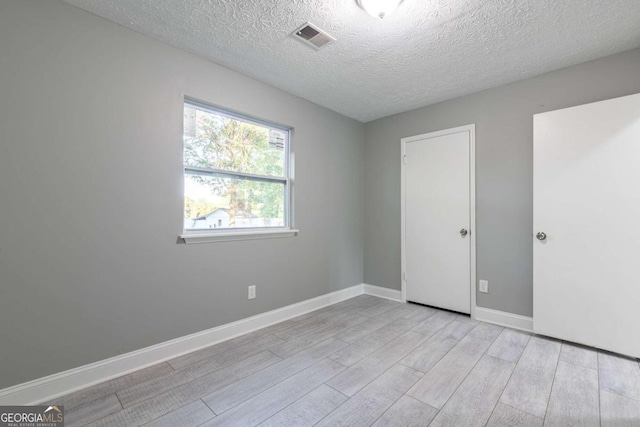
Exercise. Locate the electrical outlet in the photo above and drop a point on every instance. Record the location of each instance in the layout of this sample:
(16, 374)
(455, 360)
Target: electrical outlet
(484, 286)
(252, 292)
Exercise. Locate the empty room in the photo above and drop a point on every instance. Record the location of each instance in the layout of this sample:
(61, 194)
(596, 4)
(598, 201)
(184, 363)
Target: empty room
(320, 213)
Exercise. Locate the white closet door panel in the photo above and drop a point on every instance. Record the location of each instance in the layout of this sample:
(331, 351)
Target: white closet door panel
(437, 199)
(587, 201)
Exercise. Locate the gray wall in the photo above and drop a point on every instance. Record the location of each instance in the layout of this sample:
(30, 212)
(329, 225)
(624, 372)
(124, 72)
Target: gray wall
(91, 195)
(504, 171)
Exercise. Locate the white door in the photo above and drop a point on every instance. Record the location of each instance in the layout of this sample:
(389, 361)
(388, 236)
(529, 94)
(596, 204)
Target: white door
(587, 202)
(437, 206)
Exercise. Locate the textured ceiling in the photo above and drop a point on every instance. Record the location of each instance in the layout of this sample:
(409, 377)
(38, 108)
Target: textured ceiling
(427, 51)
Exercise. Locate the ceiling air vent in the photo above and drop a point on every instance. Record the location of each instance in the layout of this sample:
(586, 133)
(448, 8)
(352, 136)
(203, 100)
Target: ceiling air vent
(313, 36)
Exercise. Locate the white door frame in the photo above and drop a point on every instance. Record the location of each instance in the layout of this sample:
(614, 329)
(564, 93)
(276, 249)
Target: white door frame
(472, 203)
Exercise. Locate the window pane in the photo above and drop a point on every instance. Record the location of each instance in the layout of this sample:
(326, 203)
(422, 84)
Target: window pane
(213, 202)
(218, 142)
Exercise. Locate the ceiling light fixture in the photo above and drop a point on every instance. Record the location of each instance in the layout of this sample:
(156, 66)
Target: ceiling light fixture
(379, 8)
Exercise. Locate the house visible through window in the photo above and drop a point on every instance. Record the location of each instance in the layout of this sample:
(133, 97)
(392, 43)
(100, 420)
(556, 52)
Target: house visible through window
(236, 171)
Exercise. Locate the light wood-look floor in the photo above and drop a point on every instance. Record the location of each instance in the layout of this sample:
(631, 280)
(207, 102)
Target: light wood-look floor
(370, 361)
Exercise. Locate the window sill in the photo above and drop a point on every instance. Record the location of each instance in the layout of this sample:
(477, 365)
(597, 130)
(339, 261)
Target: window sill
(194, 238)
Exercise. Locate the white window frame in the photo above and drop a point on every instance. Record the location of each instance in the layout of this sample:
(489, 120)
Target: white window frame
(246, 233)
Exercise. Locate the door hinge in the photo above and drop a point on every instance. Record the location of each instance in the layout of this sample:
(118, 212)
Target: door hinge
(404, 276)
(404, 159)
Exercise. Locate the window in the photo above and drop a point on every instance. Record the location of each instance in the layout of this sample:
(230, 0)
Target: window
(236, 175)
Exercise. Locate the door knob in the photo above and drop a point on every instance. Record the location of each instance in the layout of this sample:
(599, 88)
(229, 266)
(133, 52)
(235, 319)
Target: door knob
(463, 232)
(541, 236)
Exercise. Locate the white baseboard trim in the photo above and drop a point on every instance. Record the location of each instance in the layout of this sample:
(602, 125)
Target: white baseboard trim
(378, 291)
(503, 318)
(48, 388)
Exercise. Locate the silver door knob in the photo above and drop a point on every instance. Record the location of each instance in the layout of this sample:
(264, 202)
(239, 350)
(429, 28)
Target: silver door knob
(541, 236)
(463, 232)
